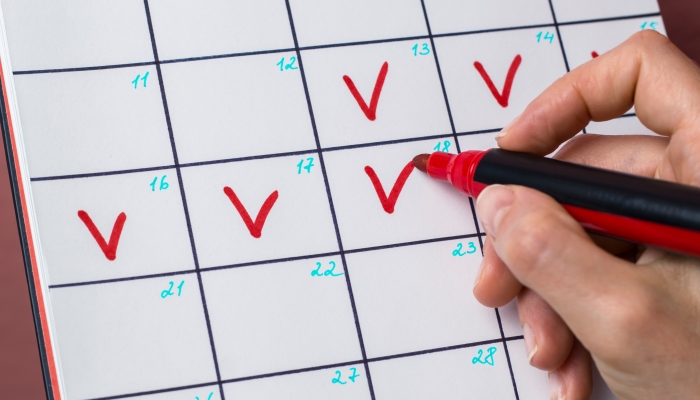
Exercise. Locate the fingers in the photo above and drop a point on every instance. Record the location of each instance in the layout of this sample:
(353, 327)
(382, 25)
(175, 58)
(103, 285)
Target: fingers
(495, 285)
(573, 380)
(550, 253)
(646, 71)
(634, 154)
(547, 338)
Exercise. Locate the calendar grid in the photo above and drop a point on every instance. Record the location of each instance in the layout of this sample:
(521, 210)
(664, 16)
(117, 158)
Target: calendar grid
(183, 197)
(333, 45)
(330, 203)
(319, 151)
(315, 368)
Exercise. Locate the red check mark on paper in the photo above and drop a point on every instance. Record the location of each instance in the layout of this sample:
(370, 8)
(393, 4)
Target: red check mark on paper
(109, 249)
(371, 111)
(255, 228)
(388, 203)
(501, 97)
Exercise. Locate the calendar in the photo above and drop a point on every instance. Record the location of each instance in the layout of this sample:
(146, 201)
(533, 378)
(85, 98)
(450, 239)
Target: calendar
(217, 199)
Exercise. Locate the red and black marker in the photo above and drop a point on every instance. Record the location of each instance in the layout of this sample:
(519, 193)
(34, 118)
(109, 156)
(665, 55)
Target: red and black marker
(642, 210)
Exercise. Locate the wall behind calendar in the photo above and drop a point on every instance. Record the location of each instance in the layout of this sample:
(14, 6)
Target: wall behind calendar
(20, 372)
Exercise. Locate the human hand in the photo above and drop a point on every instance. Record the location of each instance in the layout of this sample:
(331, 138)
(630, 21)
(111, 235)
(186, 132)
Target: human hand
(640, 321)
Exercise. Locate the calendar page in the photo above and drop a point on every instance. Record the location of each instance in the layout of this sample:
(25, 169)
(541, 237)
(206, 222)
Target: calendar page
(217, 198)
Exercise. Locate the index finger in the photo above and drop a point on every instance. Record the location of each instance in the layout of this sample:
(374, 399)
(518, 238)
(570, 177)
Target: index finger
(646, 71)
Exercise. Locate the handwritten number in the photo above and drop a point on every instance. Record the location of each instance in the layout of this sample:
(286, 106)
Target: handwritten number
(486, 360)
(339, 376)
(445, 146)
(328, 272)
(423, 50)
(307, 167)
(208, 398)
(163, 184)
(545, 36)
(292, 64)
(135, 82)
(169, 291)
(471, 249)
(651, 25)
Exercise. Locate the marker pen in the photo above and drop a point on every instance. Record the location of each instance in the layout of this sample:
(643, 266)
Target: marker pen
(648, 211)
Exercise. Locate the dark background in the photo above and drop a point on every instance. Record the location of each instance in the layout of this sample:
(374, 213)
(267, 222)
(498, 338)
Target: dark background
(20, 371)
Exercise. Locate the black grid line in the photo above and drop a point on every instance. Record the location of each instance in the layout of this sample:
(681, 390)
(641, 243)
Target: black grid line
(325, 46)
(559, 38)
(282, 154)
(264, 262)
(330, 202)
(182, 195)
(471, 201)
(318, 367)
(505, 349)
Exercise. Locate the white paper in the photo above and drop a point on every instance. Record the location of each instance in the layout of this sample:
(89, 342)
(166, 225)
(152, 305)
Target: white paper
(330, 293)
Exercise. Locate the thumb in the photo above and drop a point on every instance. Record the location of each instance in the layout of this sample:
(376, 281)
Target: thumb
(549, 252)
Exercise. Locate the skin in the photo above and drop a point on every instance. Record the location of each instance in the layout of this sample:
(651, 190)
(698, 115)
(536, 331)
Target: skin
(580, 298)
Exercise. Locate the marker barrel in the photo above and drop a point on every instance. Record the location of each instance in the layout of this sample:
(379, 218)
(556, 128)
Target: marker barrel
(643, 210)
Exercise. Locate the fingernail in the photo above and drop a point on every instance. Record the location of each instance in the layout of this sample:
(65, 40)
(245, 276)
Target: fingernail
(557, 390)
(530, 342)
(507, 129)
(479, 272)
(492, 205)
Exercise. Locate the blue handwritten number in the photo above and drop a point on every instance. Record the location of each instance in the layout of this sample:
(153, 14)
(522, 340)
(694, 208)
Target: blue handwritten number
(328, 272)
(545, 36)
(169, 291)
(138, 77)
(337, 380)
(445, 146)
(307, 167)
(459, 253)
(208, 398)
(423, 51)
(287, 66)
(338, 376)
(487, 360)
(651, 25)
(163, 184)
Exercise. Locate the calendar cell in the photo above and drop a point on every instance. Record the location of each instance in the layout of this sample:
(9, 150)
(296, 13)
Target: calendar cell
(567, 11)
(192, 28)
(124, 337)
(380, 199)
(450, 16)
(278, 317)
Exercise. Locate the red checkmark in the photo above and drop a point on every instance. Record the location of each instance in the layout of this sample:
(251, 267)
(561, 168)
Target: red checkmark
(594, 54)
(255, 228)
(109, 249)
(371, 111)
(501, 97)
(388, 203)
